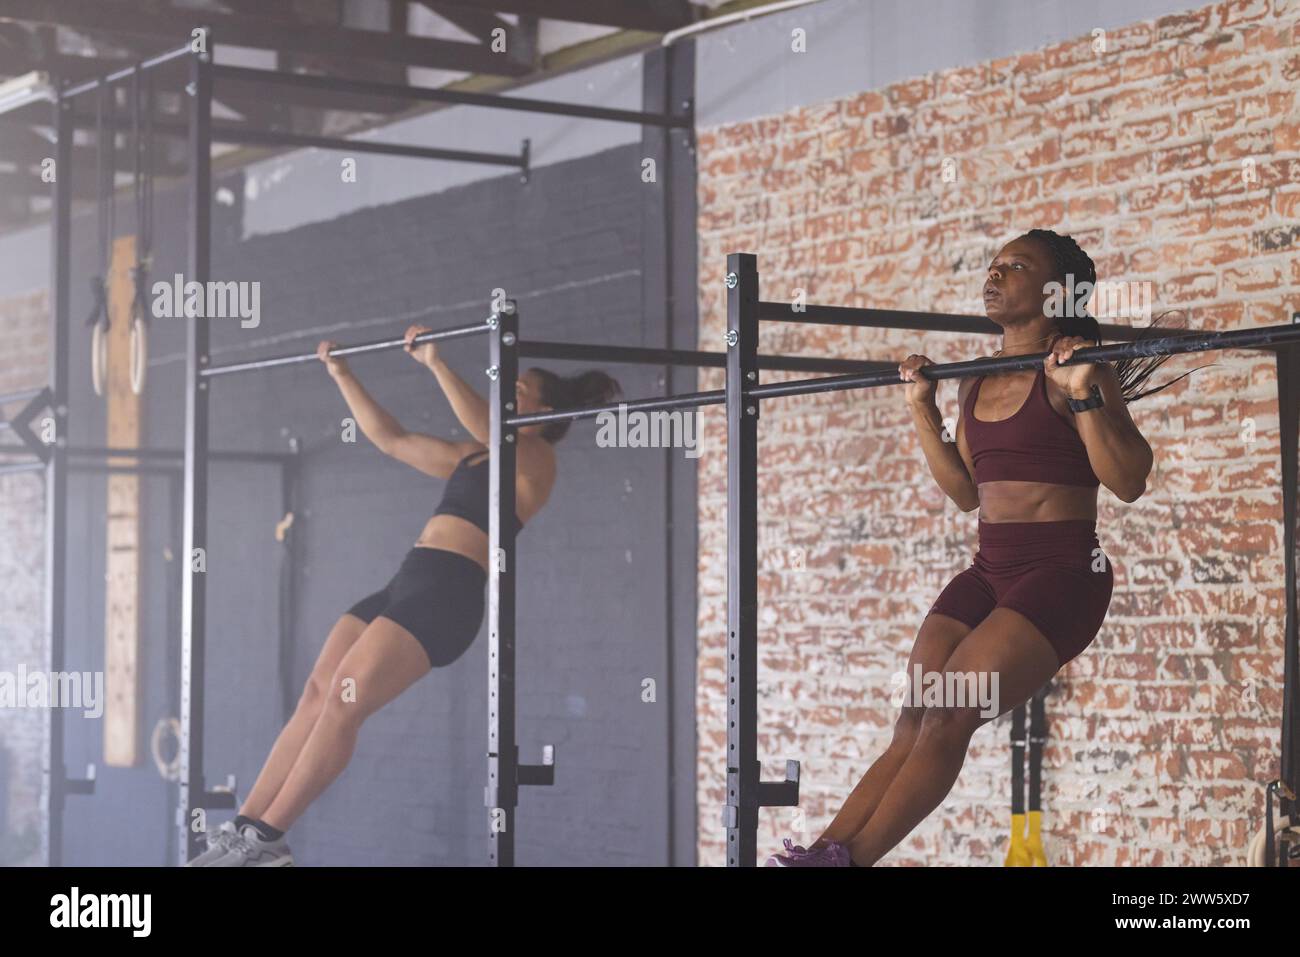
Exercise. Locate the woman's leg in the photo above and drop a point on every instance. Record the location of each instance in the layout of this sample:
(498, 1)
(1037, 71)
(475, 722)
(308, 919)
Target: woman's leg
(935, 642)
(1005, 644)
(384, 662)
(288, 745)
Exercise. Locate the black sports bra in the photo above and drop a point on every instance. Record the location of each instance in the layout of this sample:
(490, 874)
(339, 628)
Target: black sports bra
(466, 494)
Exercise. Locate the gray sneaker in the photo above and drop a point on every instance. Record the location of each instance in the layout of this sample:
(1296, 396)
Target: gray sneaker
(218, 843)
(249, 849)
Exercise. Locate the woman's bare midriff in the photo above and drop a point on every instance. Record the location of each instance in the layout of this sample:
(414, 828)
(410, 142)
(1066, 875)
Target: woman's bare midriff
(453, 534)
(1036, 502)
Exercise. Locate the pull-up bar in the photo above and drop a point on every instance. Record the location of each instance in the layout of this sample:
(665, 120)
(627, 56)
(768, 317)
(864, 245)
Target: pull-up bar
(379, 345)
(567, 350)
(1164, 345)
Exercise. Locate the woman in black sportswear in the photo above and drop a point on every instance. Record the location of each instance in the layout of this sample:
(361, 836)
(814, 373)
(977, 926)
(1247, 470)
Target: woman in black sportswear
(425, 617)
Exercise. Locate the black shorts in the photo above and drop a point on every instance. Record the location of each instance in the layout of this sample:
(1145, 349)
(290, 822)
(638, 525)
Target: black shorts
(437, 596)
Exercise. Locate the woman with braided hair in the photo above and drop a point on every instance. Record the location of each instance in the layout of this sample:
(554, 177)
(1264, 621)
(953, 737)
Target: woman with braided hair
(1031, 450)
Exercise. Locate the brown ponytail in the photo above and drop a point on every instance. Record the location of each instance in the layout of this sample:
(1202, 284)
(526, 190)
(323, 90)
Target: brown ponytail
(579, 391)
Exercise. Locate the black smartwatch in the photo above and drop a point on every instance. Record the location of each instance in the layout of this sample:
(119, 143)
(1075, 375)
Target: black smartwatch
(1094, 401)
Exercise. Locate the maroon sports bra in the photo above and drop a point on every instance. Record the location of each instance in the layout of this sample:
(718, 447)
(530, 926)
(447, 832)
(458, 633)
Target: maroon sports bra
(1036, 444)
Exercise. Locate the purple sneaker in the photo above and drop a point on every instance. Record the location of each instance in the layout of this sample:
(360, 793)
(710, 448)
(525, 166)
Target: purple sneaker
(830, 855)
(792, 850)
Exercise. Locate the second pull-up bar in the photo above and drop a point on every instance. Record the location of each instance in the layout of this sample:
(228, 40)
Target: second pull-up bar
(567, 350)
(378, 345)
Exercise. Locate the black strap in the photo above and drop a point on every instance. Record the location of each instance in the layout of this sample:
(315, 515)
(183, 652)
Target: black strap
(1018, 759)
(142, 94)
(99, 301)
(1037, 739)
(106, 160)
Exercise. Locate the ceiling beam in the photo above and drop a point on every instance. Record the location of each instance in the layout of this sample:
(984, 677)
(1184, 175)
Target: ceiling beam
(521, 39)
(252, 103)
(479, 24)
(656, 16)
(174, 26)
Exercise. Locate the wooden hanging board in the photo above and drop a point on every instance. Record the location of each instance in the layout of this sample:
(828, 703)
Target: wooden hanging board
(121, 718)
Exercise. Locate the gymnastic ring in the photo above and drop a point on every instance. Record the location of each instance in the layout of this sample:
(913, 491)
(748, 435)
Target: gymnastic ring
(1255, 850)
(168, 770)
(98, 358)
(139, 354)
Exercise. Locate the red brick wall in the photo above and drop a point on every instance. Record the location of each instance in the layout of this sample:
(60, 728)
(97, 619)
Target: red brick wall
(24, 331)
(1162, 733)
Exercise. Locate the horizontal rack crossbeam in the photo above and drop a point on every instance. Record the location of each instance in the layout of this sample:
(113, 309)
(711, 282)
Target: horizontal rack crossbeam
(687, 400)
(902, 319)
(271, 78)
(583, 352)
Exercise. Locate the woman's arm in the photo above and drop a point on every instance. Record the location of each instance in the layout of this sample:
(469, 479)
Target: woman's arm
(470, 407)
(433, 456)
(941, 453)
(535, 467)
(943, 458)
(1118, 453)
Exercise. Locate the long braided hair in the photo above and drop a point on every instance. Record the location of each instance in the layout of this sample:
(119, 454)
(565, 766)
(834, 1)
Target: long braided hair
(1068, 258)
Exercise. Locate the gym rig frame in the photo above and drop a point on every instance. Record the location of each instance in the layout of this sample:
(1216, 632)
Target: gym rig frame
(745, 791)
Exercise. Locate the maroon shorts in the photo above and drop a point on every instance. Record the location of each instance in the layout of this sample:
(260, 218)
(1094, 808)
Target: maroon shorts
(1053, 573)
